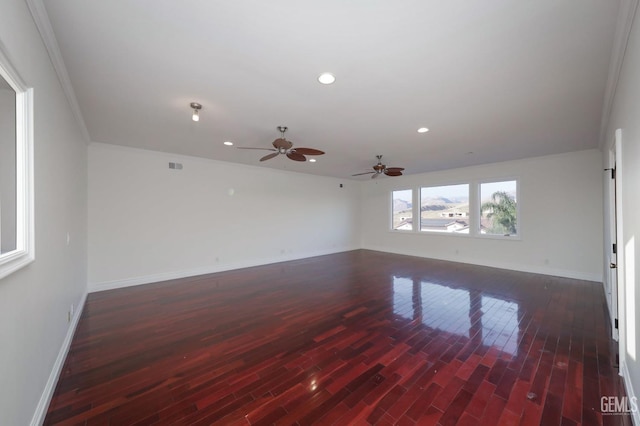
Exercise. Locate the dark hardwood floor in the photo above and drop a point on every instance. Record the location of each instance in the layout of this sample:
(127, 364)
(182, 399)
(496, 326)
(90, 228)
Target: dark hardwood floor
(360, 337)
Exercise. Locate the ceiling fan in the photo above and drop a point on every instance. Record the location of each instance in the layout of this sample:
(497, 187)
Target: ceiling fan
(283, 146)
(380, 168)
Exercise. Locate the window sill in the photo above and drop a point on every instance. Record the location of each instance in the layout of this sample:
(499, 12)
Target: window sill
(457, 235)
(13, 261)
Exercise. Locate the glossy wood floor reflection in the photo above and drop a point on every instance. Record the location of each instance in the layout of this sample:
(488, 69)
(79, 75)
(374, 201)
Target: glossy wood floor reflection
(360, 337)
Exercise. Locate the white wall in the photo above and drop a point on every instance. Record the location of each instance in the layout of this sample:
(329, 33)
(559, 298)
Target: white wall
(148, 222)
(34, 300)
(625, 116)
(560, 217)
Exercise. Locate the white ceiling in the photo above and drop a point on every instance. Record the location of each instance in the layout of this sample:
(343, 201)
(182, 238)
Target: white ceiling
(493, 80)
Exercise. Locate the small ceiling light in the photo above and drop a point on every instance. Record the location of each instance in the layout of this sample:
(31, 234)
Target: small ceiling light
(423, 130)
(327, 78)
(196, 111)
(228, 143)
(312, 160)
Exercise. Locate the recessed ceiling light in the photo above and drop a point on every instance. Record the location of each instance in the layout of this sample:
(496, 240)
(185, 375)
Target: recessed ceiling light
(423, 130)
(228, 143)
(312, 160)
(326, 78)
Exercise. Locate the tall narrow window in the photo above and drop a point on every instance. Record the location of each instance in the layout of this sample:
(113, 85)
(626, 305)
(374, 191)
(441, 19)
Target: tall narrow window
(445, 209)
(402, 210)
(499, 208)
(7, 167)
(16, 170)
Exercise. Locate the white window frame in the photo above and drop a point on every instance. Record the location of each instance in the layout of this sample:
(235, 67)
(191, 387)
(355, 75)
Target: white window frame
(474, 209)
(478, 215)
(471, 219)
(413, 211)
(24, 252)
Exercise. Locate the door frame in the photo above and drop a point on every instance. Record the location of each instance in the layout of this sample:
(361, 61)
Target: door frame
(611, 248)
(620, 333)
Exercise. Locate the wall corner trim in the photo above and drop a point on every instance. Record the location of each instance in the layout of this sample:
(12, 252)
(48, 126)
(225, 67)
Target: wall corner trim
(553, 272)
(173, 275)
(626, 377)
(625, 19)
(41, 409)
(43, 24)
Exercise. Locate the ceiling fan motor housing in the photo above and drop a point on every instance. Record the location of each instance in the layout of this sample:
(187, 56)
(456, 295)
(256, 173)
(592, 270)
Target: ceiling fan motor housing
(380, 168)
(283, 146)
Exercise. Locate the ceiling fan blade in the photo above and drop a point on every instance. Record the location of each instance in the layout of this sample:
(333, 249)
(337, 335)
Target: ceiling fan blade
(395, 169)
(296, 157)
(269, 156)
(282, 143)
(375, 175)
(308, 151)
(391, 173)
(263, 149)
(366, 173)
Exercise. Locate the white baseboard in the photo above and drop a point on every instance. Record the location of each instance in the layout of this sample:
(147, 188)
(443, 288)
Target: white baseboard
(164, 276)
(578, 275)
(626, 376)
(50, 387)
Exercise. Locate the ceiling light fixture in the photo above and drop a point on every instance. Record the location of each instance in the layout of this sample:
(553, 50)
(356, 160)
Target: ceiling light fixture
(196, 111)
(326, 78)
(228, 143)
(423, 130)
(312, 160)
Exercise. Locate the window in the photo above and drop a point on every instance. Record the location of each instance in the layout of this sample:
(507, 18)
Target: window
(7, 167)
(402, 210)
(445, 209)
(499, 208)
(16, 170)
(478, 209)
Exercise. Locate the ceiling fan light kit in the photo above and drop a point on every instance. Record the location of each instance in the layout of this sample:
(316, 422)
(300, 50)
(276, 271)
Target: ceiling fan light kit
(380, 168)
(196, 111)
(285, 147)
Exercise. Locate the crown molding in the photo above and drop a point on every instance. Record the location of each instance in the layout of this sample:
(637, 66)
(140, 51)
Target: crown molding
(41, 19)
(624, 23)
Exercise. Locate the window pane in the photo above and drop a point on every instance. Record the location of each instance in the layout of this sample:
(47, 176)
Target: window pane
(7, 167)
(402, 209)
(499, 208)
(445, 209)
